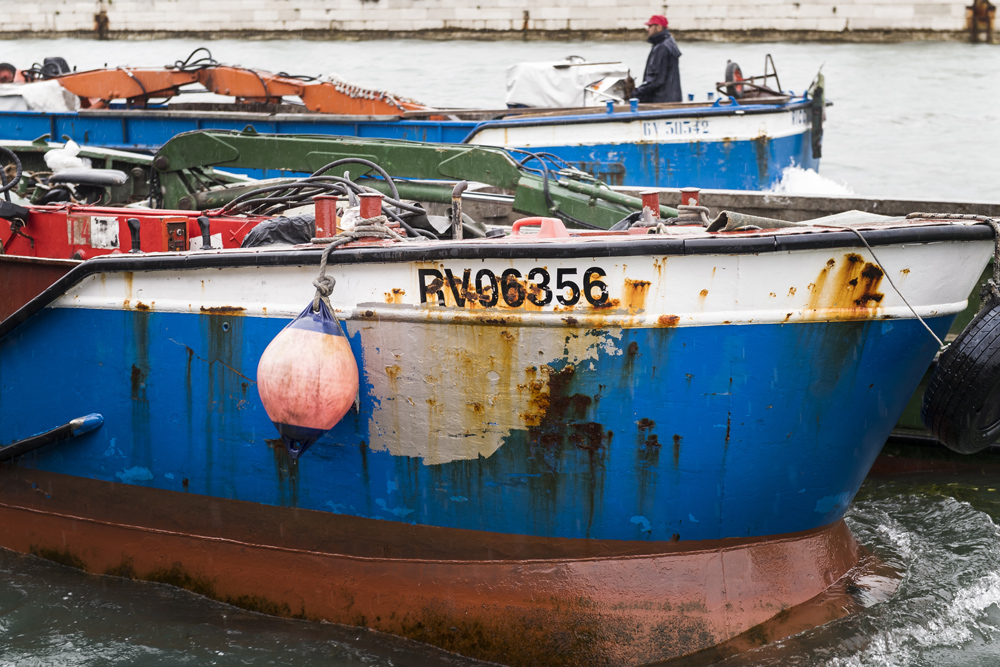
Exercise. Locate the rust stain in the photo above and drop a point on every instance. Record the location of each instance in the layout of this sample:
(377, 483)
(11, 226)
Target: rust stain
(677, 450)
(633, 351)
(139, 305)
(905, 272)
(557, 417)
(634, 294)
(668, 320)
(507, 336)
(127, 277)
(610, 304)
(222, 310)
(851, 293)
(658, 267)
(649, 443)
(392, 372)
(791, 291)
(395, 296)
(138, 383)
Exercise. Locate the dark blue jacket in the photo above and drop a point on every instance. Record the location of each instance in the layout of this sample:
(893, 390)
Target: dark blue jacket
(661, 81)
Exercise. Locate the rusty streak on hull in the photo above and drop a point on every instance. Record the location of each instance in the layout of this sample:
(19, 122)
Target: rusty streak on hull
(511, 599)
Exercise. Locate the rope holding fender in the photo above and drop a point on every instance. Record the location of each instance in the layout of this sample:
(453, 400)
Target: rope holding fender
(368, 228)
(989, 293)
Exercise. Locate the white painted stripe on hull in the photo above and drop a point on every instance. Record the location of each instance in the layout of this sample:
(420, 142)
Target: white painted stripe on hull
(687, 290)
(747, 127)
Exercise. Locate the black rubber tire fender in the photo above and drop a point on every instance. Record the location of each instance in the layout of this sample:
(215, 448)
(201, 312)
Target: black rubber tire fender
(961, 405)
(734, 77)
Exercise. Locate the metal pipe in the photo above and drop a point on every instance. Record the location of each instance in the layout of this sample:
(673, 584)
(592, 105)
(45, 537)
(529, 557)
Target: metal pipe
(456, 209)
(614, 197)
(76, 427)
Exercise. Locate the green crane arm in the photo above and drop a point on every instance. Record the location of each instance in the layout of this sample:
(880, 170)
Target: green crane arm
(565, 193)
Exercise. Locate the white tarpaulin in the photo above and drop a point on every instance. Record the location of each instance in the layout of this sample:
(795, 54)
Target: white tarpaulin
(38, 96)
(562, 83)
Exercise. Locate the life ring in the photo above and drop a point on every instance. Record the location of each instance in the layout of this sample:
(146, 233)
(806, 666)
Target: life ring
(961, 405)
(734, 80)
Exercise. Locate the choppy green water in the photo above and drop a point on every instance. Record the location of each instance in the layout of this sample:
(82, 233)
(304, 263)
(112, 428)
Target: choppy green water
(940, 531)
(53, 615)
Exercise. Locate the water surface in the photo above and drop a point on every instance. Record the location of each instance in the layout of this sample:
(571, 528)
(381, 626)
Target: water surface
(912, 120)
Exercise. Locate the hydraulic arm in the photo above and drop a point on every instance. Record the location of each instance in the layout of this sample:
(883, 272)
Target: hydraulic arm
(538, 186)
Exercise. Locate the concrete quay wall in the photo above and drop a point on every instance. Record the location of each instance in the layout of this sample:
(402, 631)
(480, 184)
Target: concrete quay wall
(731, 20)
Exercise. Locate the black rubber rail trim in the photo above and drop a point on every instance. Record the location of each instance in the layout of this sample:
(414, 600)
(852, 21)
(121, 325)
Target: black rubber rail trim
(657, 246)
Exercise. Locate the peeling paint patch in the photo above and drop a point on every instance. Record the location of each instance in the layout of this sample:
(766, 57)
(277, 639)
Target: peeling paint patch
(829, 504)
(112, 449)
(395, 511)
(643, 523)
(134, 475)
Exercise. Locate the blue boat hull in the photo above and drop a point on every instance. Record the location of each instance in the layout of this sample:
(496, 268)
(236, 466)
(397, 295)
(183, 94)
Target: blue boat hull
(723, 436)
(706, 148)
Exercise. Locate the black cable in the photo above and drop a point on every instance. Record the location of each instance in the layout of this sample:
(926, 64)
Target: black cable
(565, 217)
(361, 161)
(189, 64)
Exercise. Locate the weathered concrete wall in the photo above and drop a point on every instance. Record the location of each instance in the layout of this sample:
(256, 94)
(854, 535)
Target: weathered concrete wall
(707, 19)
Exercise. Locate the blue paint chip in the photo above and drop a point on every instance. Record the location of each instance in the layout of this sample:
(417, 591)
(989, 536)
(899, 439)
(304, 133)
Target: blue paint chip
(459, 499)
(395, 511)
(692, 519)
(112, 447)
(828, 504)
(643, 523)
(168, 475)
(134, 475)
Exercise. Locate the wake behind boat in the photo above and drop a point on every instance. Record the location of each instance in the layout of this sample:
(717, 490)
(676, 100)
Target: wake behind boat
(740, 137)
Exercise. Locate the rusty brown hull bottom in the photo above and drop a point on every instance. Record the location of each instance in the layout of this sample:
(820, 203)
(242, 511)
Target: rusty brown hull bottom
(510, 599)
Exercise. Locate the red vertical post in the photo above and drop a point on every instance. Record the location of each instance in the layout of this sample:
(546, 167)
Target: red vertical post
(371, 204)
(651, 200)
(689, 196)
(326, 216)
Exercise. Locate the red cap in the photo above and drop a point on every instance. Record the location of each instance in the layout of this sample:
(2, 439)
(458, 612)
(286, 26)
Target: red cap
(657, 19)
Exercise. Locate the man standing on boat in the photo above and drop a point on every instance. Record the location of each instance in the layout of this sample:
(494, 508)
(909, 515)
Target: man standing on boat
(661, 81)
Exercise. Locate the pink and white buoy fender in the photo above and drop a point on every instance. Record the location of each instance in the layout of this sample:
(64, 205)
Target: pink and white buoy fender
(307, 378)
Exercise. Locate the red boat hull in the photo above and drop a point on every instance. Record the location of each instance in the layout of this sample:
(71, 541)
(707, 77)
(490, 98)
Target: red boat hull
(511, 599)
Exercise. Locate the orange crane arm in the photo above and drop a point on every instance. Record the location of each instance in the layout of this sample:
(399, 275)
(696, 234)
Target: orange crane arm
(125, 83)
(247, 85)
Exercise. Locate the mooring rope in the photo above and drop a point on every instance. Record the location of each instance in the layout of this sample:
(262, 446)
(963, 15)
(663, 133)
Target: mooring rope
(367, 228)
(990, 292)
(941, 344)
